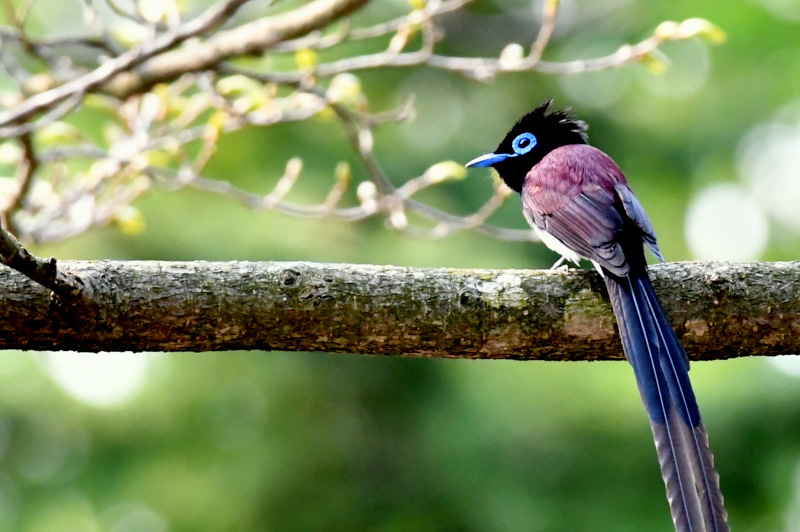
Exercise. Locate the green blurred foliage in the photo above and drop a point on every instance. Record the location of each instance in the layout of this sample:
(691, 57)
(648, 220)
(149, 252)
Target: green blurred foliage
(295, 442)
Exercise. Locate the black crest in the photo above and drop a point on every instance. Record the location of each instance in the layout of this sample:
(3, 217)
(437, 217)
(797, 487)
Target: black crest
(558, 128)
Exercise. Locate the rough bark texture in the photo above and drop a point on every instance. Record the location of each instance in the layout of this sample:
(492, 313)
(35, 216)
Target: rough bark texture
(719, 310)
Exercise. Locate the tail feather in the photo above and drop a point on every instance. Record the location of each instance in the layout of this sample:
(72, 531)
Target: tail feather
(661, 368)
(683, 396)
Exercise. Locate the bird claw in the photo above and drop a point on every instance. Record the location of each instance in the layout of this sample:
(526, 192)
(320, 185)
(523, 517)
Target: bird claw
(559, 265)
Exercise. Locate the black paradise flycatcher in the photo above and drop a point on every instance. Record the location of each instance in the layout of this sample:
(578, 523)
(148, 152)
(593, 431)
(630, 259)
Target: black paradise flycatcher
(578, 201)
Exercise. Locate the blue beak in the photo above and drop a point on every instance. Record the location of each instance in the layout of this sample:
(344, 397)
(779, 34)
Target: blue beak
(490, 159)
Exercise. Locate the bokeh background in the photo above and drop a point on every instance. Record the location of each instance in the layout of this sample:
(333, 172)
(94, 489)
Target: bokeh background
(313, 441)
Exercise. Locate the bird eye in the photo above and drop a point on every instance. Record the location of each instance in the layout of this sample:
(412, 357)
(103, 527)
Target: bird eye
(524, 143)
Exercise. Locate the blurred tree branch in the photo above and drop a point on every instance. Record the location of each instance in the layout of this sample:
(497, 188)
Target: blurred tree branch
(247, 39)
(720, 310)
(76, 88)
(171, 85)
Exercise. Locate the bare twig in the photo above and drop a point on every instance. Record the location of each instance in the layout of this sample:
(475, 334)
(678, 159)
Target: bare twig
(27, 169)
(251, 38)
(45, 272)
(86, 83)
(41, 46)
(431, 10)
(59, 109)
(549, 11)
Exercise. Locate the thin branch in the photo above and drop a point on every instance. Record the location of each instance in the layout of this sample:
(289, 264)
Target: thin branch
(431, 10)
(81, 151)
(39, 47)
(485, 68)
(251, 38)
(359, 135)
(88, 82)
(390, 57)
(60, 108)
(549, 11)
(129, 14)
(316, 40)
(26, 171)
(64, 284)
(624, 55)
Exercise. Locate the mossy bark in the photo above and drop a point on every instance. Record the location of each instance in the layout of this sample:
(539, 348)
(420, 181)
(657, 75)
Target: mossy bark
(719, 310)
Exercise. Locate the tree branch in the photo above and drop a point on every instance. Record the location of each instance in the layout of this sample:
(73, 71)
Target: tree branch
(180, 86)
(719, 310)
(45, 272)
(88, 82)
(250, 38)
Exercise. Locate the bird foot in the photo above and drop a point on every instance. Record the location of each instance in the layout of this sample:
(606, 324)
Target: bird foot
(559, 265)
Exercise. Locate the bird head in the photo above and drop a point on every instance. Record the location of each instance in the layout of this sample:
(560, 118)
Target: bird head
(533, 136)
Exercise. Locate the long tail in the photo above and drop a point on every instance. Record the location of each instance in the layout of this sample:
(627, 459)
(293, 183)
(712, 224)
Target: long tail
(662, 374)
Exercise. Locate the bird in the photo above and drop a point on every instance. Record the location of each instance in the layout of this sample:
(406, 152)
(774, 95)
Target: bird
(578, 201)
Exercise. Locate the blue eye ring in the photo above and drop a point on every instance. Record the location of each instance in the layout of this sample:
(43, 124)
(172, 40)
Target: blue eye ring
(524, 143)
